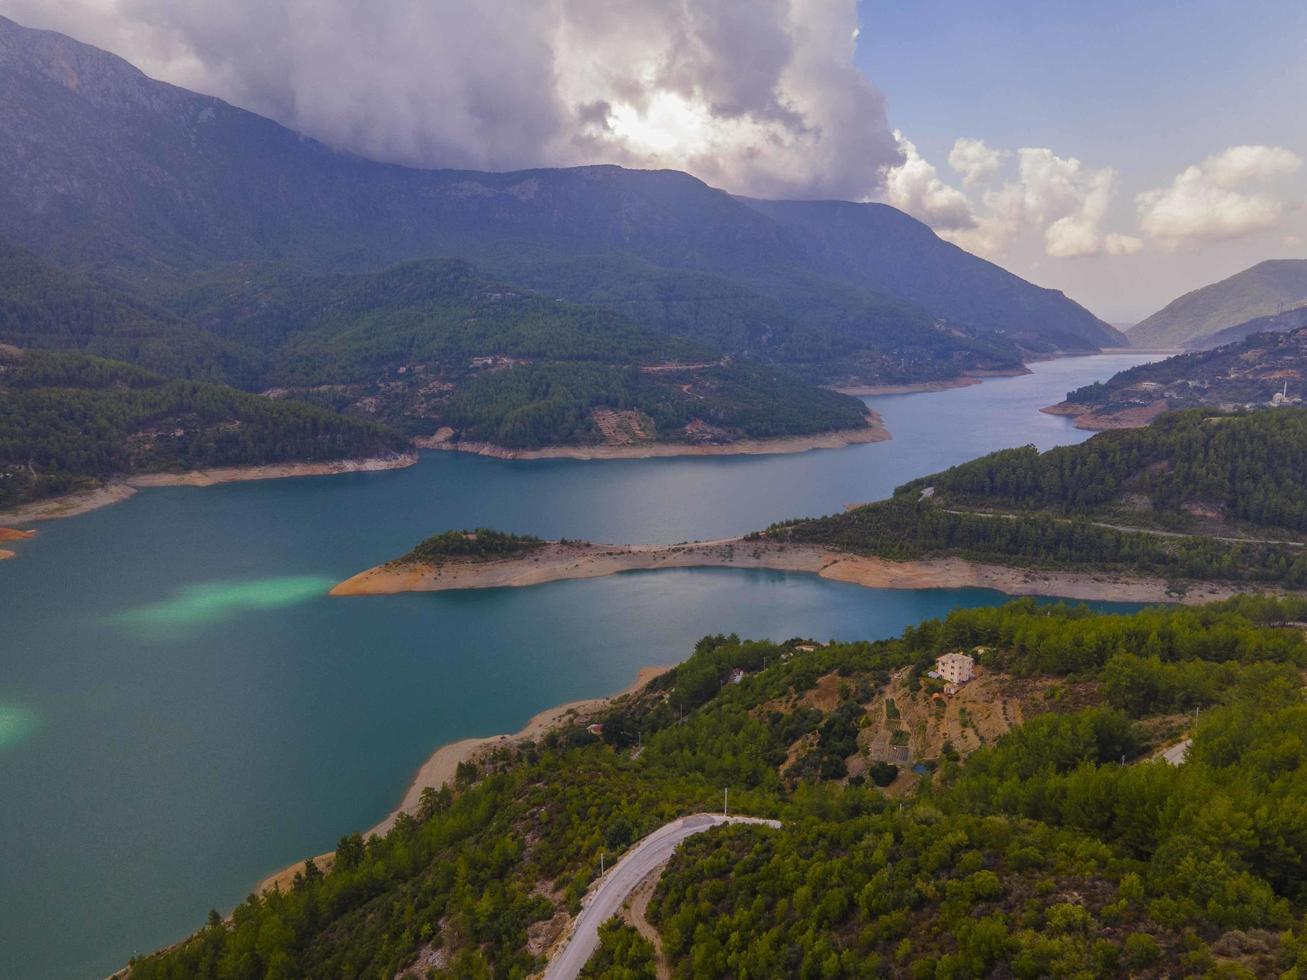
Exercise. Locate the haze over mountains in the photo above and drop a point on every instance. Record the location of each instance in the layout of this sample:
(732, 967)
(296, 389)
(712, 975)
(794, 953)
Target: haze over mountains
(1220, 313)
(154, 187)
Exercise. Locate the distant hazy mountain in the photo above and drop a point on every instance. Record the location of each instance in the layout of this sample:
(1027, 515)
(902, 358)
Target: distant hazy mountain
(1266, 289)
(1291, 319)
(104, 169)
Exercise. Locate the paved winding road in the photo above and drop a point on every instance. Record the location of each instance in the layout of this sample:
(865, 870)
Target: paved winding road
(621, 879)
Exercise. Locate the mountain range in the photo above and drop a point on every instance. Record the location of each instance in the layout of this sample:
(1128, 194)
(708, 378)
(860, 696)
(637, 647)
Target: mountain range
(152, 187)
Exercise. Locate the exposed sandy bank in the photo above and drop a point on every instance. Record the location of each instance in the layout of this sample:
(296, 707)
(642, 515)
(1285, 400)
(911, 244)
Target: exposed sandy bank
(874, 431)
(272, 471)
(6, 553)
(1088, 418)
(440, 768)
(72, 504)
(557, 562)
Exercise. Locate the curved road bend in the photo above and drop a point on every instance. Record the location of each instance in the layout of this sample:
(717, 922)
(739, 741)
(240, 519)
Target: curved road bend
(621, 879)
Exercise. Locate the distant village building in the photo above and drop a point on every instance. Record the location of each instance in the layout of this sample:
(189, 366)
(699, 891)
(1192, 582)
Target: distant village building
(955, 668)
(737, 675)
(595, 729)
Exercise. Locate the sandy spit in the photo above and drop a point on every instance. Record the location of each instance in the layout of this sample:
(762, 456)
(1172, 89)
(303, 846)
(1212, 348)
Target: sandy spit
(874, 431)
(440, 768)
(557, 561)
(1088, 418)
(70, 505)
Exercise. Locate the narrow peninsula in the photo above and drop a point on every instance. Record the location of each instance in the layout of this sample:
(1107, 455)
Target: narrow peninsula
(1111, 519)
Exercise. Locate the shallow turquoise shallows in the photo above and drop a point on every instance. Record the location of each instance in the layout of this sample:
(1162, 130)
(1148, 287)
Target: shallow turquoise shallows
(183, 709)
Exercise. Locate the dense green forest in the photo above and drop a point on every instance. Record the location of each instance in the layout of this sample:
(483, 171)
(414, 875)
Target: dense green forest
(484, 542)
(1249, 467)
(542, 404)
(1204, 479)
(1060, 849)
(68, 420)
(415, 347)
(47, 308)
(434, 343)
(819, 328)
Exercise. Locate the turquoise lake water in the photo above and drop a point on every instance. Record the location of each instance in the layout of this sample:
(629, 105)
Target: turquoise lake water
(183, 710)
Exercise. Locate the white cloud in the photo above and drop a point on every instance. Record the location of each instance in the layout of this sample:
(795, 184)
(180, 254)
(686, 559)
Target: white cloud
(1058, 198)
(1228, 195)
(757, 96)
(976, 162)
(1081, 231)
(914, 186)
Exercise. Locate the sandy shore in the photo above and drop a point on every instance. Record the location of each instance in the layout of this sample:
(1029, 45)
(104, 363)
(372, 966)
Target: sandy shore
(440, 768)
(70, 505)
(557, 562)
(874, 431)
(1088, 418)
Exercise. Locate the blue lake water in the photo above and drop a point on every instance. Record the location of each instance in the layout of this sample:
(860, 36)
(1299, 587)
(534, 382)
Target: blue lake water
(183, 710)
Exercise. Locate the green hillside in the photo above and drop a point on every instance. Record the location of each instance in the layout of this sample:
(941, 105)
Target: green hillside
(1190, 321)
(1057, 849)
(1196, 495)
(71, 421)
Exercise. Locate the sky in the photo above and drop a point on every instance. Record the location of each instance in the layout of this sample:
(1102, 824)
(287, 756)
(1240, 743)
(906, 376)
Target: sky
(1124, 152)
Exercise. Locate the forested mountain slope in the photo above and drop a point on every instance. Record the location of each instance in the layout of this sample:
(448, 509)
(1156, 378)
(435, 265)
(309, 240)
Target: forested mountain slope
(1190, 321)
(1059, 848)
(1249, 373)
(432, 343)
(877, 246)
(104, 169)
(1196, 495)
(71, 421)
(42, 306)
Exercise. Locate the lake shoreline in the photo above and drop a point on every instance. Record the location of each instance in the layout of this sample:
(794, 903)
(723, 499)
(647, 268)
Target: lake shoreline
(115, 491)
(873, 431)
(1090, 419)
(557, 561)
(441, 767)
(964, 380)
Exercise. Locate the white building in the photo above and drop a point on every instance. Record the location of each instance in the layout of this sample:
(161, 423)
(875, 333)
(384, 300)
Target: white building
(955, 668)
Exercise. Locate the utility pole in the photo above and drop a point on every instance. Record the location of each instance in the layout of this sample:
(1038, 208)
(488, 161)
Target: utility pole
(726, 801)
(601, 864)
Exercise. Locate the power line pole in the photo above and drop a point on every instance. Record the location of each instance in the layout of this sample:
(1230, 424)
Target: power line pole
(726, 801)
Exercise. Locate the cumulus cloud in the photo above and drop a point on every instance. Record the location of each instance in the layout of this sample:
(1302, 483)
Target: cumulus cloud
(914, 186)
(1228, 195)
(1058, 198)
(976, 162)
(758, 96)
